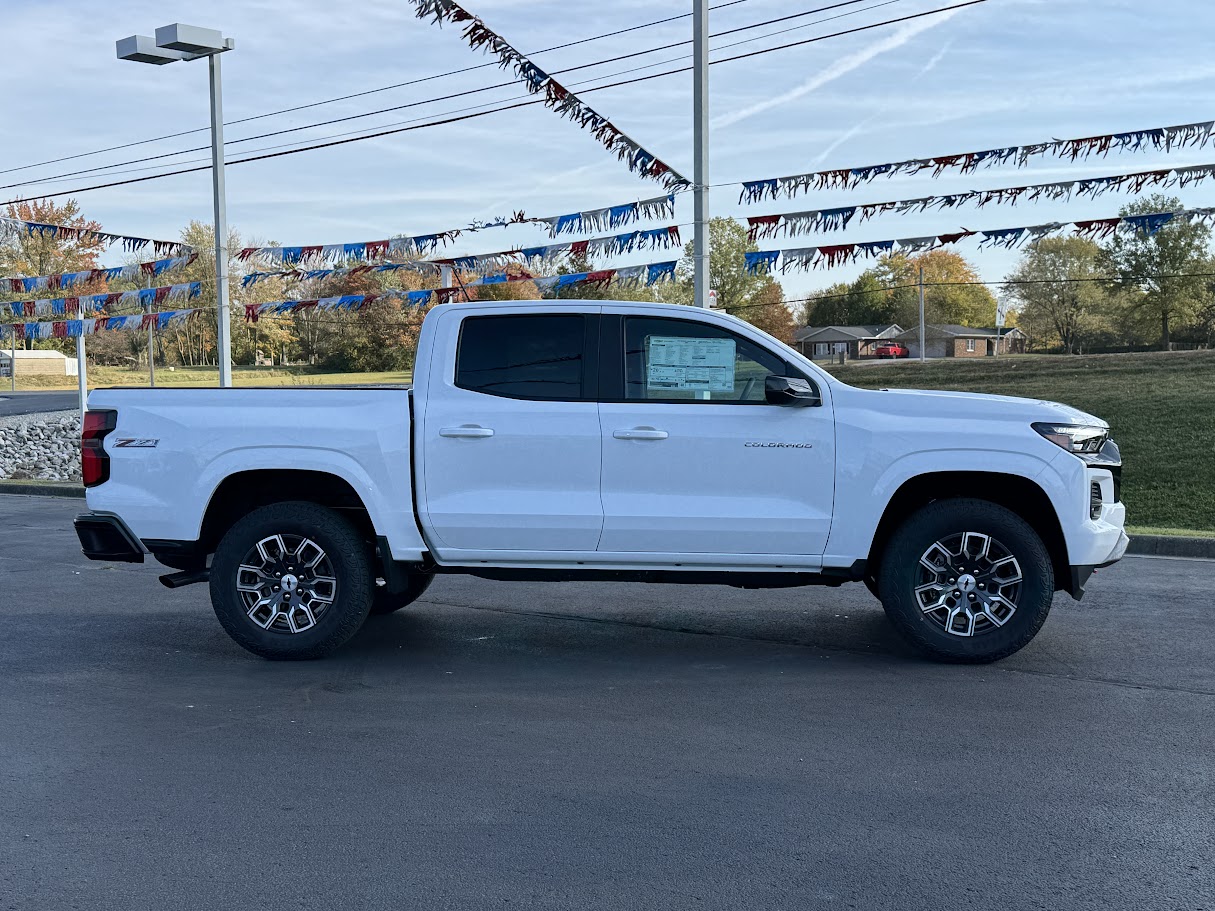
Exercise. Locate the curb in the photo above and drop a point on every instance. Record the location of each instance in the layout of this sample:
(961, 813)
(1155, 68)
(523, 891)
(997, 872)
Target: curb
(1172, 546)
(42, 489)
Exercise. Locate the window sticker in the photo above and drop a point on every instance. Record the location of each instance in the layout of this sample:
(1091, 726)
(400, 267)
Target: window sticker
(704, 364)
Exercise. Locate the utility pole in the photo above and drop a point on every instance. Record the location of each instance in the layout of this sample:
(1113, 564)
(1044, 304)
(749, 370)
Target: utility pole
(151, 343)
(923, 354)
(224, 324)
(12, 359)
(700, 155)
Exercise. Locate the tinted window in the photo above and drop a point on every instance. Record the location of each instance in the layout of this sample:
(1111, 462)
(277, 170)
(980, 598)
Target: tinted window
(678, 360)
(527, 357)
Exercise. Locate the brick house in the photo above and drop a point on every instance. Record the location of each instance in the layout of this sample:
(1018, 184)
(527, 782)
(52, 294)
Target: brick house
(828, 341)
(964, 341)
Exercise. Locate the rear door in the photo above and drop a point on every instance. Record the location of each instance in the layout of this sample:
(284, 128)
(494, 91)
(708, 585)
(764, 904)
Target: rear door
(511, 434)
(694, 459)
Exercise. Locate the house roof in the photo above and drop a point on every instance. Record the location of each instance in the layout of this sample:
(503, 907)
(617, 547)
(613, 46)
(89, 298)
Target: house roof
(951, 330)
(38, 353)
(844, 333)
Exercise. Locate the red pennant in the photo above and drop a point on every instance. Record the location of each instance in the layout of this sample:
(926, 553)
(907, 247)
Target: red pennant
(954, 238)
(251, 313)
(308, 252)
(246, 253)
(161, 294)
(71, 304)
(30, 308)
(376, 249)
(762, 226)
(579, 247)
(59, 329)
(602, 278)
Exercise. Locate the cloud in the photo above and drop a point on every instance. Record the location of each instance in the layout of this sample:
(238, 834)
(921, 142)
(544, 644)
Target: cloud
(839, 68)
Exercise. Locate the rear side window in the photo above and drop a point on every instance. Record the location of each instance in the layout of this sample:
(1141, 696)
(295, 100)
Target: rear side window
(524, 356)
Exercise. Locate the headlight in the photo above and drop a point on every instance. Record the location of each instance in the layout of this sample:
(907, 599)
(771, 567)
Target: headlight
(1075, 438)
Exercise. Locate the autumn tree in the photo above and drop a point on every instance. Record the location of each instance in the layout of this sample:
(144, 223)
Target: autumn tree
(1056, 291)
(736, 287)
(1156, 267)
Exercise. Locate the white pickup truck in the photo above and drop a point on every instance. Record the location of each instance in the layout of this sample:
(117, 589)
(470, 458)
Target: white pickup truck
(603, 440)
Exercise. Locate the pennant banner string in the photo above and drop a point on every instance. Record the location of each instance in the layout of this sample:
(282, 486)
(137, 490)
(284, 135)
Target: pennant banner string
(1185, 136)
(556, 96)
(75, 328)
(1007, 238)
(653, 239)
(118, 273)
(63, 232)
(765, 227)
(98, 303)
(648, 274)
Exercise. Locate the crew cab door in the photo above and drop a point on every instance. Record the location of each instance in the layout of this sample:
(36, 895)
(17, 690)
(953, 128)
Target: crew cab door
(510, 432)
(694, 459)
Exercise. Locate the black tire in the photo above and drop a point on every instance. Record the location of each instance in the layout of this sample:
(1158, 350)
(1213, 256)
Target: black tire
(386, 602)
(347, 557)
(945, 521)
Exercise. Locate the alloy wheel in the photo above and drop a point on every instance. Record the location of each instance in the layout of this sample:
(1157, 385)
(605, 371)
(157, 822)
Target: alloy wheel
(969, 584)
(286, 583)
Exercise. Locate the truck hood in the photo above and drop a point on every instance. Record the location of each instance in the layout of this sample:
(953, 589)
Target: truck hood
(974, 406)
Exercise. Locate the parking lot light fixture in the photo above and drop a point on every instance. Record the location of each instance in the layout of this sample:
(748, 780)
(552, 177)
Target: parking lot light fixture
(190, 42)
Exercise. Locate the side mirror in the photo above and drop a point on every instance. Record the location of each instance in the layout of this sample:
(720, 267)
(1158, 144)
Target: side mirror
(791, 390)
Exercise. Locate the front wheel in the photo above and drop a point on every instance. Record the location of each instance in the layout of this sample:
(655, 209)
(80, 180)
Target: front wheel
(292, 581)
(967, 581)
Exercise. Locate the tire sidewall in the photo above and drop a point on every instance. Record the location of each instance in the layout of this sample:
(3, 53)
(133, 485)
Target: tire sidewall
(938, 521)
(347, 552)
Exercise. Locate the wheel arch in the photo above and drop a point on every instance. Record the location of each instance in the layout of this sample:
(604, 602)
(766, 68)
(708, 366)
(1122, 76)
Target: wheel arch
(1017, 494)
(240, 493)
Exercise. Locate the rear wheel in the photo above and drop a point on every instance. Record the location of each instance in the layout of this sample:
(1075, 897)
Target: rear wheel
(292, 581)
(967, 581)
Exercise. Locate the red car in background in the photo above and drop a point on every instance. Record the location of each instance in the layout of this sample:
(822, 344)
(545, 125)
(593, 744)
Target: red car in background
(891, 349)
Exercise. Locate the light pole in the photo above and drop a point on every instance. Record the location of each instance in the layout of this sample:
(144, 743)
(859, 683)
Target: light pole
(189, 42)
(700, 167)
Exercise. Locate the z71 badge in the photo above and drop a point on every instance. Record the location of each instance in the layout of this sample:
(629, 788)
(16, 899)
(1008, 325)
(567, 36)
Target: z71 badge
(135, 444)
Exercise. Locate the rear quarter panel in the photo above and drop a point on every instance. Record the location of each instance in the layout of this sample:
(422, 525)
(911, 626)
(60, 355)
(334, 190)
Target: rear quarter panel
(203, 436)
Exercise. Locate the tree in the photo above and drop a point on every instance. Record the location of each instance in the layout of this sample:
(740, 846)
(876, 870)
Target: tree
(888, 293)
(952, 293)
(736, 287)
(768, 311)
(1060, 298)
(1154, 267)
(24, 254)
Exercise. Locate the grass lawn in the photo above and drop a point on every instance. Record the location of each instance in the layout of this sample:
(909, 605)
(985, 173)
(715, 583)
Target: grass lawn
(1160, 407)
(209, 376)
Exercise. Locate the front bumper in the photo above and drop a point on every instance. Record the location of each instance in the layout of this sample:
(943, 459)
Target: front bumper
(105, 537)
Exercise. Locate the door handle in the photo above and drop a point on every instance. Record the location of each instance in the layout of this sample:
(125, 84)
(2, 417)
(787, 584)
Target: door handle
(641, 433)
(471, 432)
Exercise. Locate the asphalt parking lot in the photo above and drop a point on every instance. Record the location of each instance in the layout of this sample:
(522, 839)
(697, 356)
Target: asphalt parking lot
(596, 745)
(15, 403)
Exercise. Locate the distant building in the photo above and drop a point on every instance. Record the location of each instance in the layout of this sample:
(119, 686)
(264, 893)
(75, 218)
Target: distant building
(37, 363)
(828, 341)
(964, 341)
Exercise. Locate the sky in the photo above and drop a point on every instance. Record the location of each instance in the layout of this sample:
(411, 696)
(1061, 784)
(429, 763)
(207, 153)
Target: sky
(1004, 72)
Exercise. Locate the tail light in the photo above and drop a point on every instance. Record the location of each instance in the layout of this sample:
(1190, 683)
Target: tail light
(94, 460)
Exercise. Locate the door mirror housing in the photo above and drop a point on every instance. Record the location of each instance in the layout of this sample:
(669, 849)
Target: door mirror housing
(791, 390)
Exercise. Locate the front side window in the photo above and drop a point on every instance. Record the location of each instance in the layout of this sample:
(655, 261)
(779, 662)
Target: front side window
(524, 356)
(970, 344)
(674, 360)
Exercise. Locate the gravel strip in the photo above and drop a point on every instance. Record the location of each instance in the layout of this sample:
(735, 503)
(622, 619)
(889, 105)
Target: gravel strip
(43, 446)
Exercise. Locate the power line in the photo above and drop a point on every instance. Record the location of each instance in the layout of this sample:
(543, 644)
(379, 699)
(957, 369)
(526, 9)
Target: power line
(467, 92)
(449, 120)
(385, 88)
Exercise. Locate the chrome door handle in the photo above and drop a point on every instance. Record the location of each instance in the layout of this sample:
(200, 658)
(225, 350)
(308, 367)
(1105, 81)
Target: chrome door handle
(641, 433)
(471, 432)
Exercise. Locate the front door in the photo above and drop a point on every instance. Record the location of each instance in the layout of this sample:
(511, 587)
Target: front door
(511, 433)
(694, 459)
